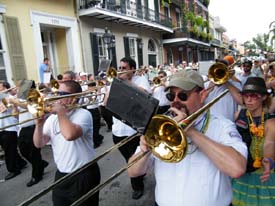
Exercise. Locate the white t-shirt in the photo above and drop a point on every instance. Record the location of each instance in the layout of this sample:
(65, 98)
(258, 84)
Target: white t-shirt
(242, 78)
(71, 155)
(196, 180)
(9, 120)
(25, 116)
(226, 106)
(121, 129)
(160, 94)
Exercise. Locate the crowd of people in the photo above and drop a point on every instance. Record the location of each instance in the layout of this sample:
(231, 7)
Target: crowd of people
(234, 140)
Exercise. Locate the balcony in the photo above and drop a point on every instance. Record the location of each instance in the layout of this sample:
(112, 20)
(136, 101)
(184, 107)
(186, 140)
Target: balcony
(126, 12)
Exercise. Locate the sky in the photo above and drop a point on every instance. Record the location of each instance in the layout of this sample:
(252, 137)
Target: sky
(244, 19)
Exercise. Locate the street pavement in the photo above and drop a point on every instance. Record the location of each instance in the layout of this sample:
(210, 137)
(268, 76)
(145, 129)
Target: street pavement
(116, 193)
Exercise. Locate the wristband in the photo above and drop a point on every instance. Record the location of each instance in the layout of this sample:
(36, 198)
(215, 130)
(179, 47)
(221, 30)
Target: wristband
(271, 162)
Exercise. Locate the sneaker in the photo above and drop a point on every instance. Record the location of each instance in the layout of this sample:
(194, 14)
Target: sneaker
(137, 194)
(12, 175)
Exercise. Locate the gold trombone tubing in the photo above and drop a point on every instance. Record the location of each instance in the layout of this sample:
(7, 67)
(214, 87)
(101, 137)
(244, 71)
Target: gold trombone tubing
(69, 107)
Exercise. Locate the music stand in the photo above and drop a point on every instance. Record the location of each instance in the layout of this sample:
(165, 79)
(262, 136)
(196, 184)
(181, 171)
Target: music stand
(131, 105)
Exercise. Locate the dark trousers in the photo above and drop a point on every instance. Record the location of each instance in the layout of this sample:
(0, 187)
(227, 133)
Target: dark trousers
(127, 151)
(96, 126)
(107, 116)
(30, 152)
(77, 186)
(8, 142)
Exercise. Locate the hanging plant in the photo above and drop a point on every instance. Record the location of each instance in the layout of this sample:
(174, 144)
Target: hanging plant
(206, 2)
(203, 35)
(206, 24)
(199, 21)
(163, 2)
(191, 17)
(195, 30)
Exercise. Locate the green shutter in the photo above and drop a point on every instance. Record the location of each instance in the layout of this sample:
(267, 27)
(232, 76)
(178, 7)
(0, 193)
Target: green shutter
(95, 53)
(15, 48)
(126, 46)
(140, 53)
(114, 62)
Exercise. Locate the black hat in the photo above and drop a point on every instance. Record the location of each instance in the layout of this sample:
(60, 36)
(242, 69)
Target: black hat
(256, 85)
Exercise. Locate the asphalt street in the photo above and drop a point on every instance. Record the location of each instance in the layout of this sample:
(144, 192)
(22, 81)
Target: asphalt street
(116, 193)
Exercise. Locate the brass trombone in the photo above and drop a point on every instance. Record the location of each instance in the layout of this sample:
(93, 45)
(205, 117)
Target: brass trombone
(162, 134)
(37, 105)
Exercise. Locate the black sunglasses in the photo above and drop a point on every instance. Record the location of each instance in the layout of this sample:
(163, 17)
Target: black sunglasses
(122, 68)
(61, 93)
(182, 96)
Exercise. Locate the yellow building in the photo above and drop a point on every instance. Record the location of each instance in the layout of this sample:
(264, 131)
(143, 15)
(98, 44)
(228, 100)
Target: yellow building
(31, 30)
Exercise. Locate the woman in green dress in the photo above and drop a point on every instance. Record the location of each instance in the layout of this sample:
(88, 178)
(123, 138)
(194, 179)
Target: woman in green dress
(257, 186)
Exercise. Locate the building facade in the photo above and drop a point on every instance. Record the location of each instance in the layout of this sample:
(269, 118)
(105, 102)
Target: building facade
(31, 30)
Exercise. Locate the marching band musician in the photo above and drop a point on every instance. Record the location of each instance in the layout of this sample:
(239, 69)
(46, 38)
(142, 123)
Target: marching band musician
(70, 132)
(230, 101)
(121, 130)
(8, 138)
(203, 176)
(159, 93)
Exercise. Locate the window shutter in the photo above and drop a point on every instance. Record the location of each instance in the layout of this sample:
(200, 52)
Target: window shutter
(114, 62)
(15, 48)
(126, 46)
(95, 53)
(140, 53)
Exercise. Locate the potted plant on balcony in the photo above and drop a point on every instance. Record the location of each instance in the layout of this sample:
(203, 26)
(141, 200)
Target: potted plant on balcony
(209, 36)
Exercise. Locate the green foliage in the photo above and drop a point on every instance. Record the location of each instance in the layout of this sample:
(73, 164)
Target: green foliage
(191, 17)
(209, 36)
(163, 2)
(199, 21)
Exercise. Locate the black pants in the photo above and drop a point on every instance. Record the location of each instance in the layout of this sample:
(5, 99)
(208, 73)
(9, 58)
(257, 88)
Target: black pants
(77, 186)
(127, 151)
(107, 116)
(30, 152)
(8, 142)
(96, 126)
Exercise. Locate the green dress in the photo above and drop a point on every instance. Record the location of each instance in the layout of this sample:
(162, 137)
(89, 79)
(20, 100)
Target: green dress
(248, 190)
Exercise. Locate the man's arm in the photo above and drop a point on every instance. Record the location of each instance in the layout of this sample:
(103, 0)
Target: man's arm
(141, 166)
(39, 139)
(235, 92)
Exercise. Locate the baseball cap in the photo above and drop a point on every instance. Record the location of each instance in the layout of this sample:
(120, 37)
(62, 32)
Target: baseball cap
(82, 74)
(186, 80)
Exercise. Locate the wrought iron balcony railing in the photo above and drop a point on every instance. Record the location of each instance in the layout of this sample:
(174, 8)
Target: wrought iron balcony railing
(128, 8)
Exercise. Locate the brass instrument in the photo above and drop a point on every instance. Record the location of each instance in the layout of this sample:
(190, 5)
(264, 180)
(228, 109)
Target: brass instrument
(219, 73)
(162, 134)
(111, 73)
(38, 105)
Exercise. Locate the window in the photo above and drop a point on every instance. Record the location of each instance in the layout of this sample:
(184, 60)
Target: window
(132, 48)
(102, 48)
(151, 46)
(178, 18)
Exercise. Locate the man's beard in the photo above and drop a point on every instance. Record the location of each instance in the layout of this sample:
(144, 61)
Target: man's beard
(181, 107)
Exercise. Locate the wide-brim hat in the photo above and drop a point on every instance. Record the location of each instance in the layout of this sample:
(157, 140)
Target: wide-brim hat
(255, 85)
(186, 80)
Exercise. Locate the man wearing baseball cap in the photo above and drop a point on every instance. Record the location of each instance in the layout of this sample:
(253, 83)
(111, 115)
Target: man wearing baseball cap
(215, 152)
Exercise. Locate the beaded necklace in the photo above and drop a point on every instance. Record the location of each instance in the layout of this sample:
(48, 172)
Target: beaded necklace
(258, 134)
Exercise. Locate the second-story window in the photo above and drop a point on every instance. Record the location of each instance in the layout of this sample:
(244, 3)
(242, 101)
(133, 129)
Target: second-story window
(132, 47)
(102, 49)
(178, 18)
(166, 10)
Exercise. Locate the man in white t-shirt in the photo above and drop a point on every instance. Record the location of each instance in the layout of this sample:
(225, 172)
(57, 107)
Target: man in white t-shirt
(120, 130)
(215, 152)
(71, 136)
(246, 71)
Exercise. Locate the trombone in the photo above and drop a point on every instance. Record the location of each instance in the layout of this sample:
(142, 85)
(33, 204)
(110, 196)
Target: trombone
(37, 105)
(165, 138)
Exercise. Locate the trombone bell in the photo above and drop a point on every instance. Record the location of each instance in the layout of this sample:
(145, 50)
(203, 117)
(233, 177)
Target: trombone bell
(166, 139)
(219, 73)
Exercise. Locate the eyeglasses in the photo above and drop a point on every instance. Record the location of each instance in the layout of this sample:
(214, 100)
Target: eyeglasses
(122, 68)
(253, 96)
(181, 95)
(61, 93)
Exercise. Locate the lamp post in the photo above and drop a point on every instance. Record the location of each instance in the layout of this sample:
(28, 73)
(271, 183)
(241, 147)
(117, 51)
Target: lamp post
(108, 39)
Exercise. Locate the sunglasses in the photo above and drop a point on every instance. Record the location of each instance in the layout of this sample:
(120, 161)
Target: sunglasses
(122, 68)
(253, 96)
(181, 95)
(61, 93)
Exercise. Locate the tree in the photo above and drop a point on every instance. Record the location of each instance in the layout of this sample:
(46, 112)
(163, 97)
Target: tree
(272, 32)
(262, 42)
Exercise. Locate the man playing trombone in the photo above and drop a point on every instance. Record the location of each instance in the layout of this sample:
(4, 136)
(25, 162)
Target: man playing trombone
(71, 134)
(215, 152)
